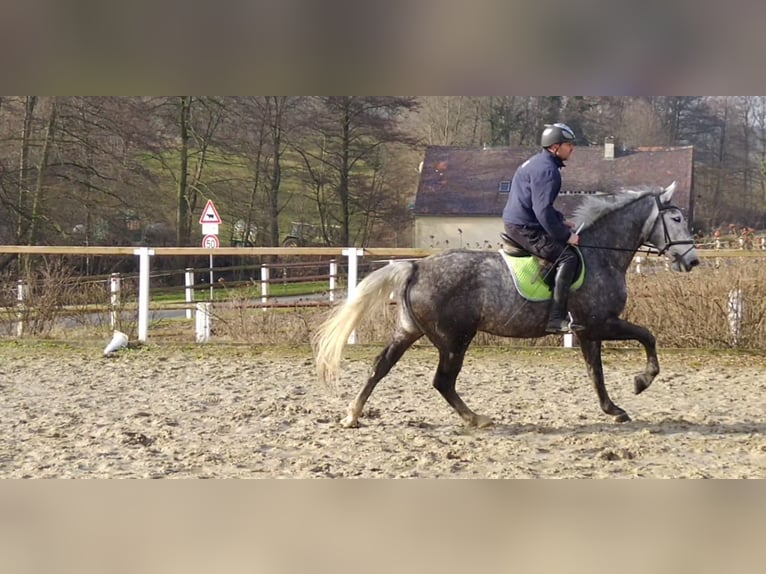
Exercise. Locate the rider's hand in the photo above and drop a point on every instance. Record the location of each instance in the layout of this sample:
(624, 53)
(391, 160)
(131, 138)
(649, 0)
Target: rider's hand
(574, 239)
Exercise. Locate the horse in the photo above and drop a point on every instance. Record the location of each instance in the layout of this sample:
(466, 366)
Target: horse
(450, 296)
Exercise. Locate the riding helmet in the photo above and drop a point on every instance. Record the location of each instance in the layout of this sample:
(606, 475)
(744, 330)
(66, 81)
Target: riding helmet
(556, 134)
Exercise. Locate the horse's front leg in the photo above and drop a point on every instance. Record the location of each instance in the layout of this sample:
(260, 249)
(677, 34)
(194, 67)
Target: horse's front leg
(617, 329)
(591, 350)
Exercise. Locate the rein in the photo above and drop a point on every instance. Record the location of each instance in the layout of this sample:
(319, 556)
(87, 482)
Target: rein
(645, 248)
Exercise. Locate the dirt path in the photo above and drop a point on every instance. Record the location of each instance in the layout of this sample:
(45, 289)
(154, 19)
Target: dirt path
(231, 412)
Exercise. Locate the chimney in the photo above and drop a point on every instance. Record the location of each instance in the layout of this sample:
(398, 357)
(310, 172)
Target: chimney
(609, 147)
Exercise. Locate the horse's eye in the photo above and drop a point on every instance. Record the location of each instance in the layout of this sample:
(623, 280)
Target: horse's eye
(677, 218)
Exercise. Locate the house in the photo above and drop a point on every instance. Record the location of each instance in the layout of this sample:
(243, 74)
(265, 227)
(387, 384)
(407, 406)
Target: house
(462, 191)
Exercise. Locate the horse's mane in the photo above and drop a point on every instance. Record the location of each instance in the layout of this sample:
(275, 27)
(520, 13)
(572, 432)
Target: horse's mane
(595, 207)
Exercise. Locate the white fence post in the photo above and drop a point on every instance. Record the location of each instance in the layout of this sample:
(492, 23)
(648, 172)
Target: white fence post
(21, 294)
(202, 322)
(144, 270)
(264, 285)
(353, 254)
(333, 278)
(189, 283)
(211, 276)
(114, 299)
(736, 314)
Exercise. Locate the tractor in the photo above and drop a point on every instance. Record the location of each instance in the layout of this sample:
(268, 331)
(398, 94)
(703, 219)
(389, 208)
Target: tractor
(309, 235)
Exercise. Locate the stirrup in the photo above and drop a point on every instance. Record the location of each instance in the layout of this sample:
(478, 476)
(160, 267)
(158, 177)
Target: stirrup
(563, 325)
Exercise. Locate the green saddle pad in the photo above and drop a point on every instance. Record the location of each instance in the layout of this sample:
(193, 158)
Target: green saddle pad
(528, 278)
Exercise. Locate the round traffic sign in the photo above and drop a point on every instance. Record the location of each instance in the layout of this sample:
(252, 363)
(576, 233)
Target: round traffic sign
(211, 242)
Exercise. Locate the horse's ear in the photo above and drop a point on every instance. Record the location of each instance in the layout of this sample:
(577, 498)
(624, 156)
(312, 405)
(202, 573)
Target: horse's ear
(667, 193)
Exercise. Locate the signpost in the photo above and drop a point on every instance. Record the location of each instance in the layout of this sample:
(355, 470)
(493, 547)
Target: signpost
(211, 242)
(210, 220)
(210, 217)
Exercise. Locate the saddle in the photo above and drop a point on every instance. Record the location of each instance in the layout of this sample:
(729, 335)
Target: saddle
(533, 276)
(512, 248)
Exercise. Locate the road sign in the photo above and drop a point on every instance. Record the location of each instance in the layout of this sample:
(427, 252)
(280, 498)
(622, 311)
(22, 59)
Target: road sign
(209, 229)
(211, 242)
(210, 214)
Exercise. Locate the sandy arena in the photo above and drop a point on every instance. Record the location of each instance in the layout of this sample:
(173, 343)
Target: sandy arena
(232, 412)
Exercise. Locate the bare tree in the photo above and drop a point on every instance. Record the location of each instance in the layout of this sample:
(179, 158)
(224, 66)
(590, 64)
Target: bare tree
(346, 132)
(89, 169)
(760, 138)
(639, 126)
(38, 197)
(24, 186)
(275, 113)
(185, 196)
(264, 128)
(448, 120)
(247, 131)
(188, 131)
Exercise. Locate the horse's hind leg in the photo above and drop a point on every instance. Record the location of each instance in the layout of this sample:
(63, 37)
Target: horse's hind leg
(384, 362)
(450, 363)
(591, 350)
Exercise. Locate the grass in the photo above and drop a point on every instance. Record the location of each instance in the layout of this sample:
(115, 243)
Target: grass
(291, 289)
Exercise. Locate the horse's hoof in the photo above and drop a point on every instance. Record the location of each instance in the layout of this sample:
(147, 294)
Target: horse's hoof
(350, 422)
(641, 383)
(482, 422)
(622, 418)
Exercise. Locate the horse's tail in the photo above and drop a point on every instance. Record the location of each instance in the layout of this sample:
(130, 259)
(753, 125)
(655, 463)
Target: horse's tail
(371, 293)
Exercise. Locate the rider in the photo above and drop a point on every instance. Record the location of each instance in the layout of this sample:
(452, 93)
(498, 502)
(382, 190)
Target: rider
(531, 220)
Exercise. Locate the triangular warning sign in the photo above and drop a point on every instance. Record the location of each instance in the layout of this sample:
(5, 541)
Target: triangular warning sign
(210, 214)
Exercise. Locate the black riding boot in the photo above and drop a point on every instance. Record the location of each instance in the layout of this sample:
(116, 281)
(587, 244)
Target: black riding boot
(558, 318)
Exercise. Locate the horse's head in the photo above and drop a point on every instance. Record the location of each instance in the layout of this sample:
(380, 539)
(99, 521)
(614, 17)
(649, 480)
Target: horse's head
(669, 232)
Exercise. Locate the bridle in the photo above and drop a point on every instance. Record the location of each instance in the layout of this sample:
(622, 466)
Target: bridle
(662, 210)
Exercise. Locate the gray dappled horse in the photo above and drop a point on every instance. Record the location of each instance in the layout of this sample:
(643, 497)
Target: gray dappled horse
(451, 296)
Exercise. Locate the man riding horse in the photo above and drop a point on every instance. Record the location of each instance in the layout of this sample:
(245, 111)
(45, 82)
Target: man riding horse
(537, 226)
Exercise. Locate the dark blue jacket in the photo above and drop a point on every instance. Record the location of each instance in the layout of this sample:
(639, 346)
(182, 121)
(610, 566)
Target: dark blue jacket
(535, 187)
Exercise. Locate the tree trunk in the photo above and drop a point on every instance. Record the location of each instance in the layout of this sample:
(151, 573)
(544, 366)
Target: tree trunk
(249, 216)
(22, 208)
(38, 200)
(276, 174)
(720, 161)
(343, 191)
(183, 231)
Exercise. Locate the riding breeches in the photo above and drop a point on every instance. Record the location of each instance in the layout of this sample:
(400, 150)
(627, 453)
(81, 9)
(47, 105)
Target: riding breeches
(539, 243)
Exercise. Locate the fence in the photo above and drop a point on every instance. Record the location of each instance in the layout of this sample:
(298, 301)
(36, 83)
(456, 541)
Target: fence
(146, 255)
(334, 260)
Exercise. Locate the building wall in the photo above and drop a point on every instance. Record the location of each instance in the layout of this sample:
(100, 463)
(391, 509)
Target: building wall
(442, 232)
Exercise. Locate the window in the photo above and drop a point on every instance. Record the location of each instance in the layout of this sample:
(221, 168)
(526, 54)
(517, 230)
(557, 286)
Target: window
(504, 187)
